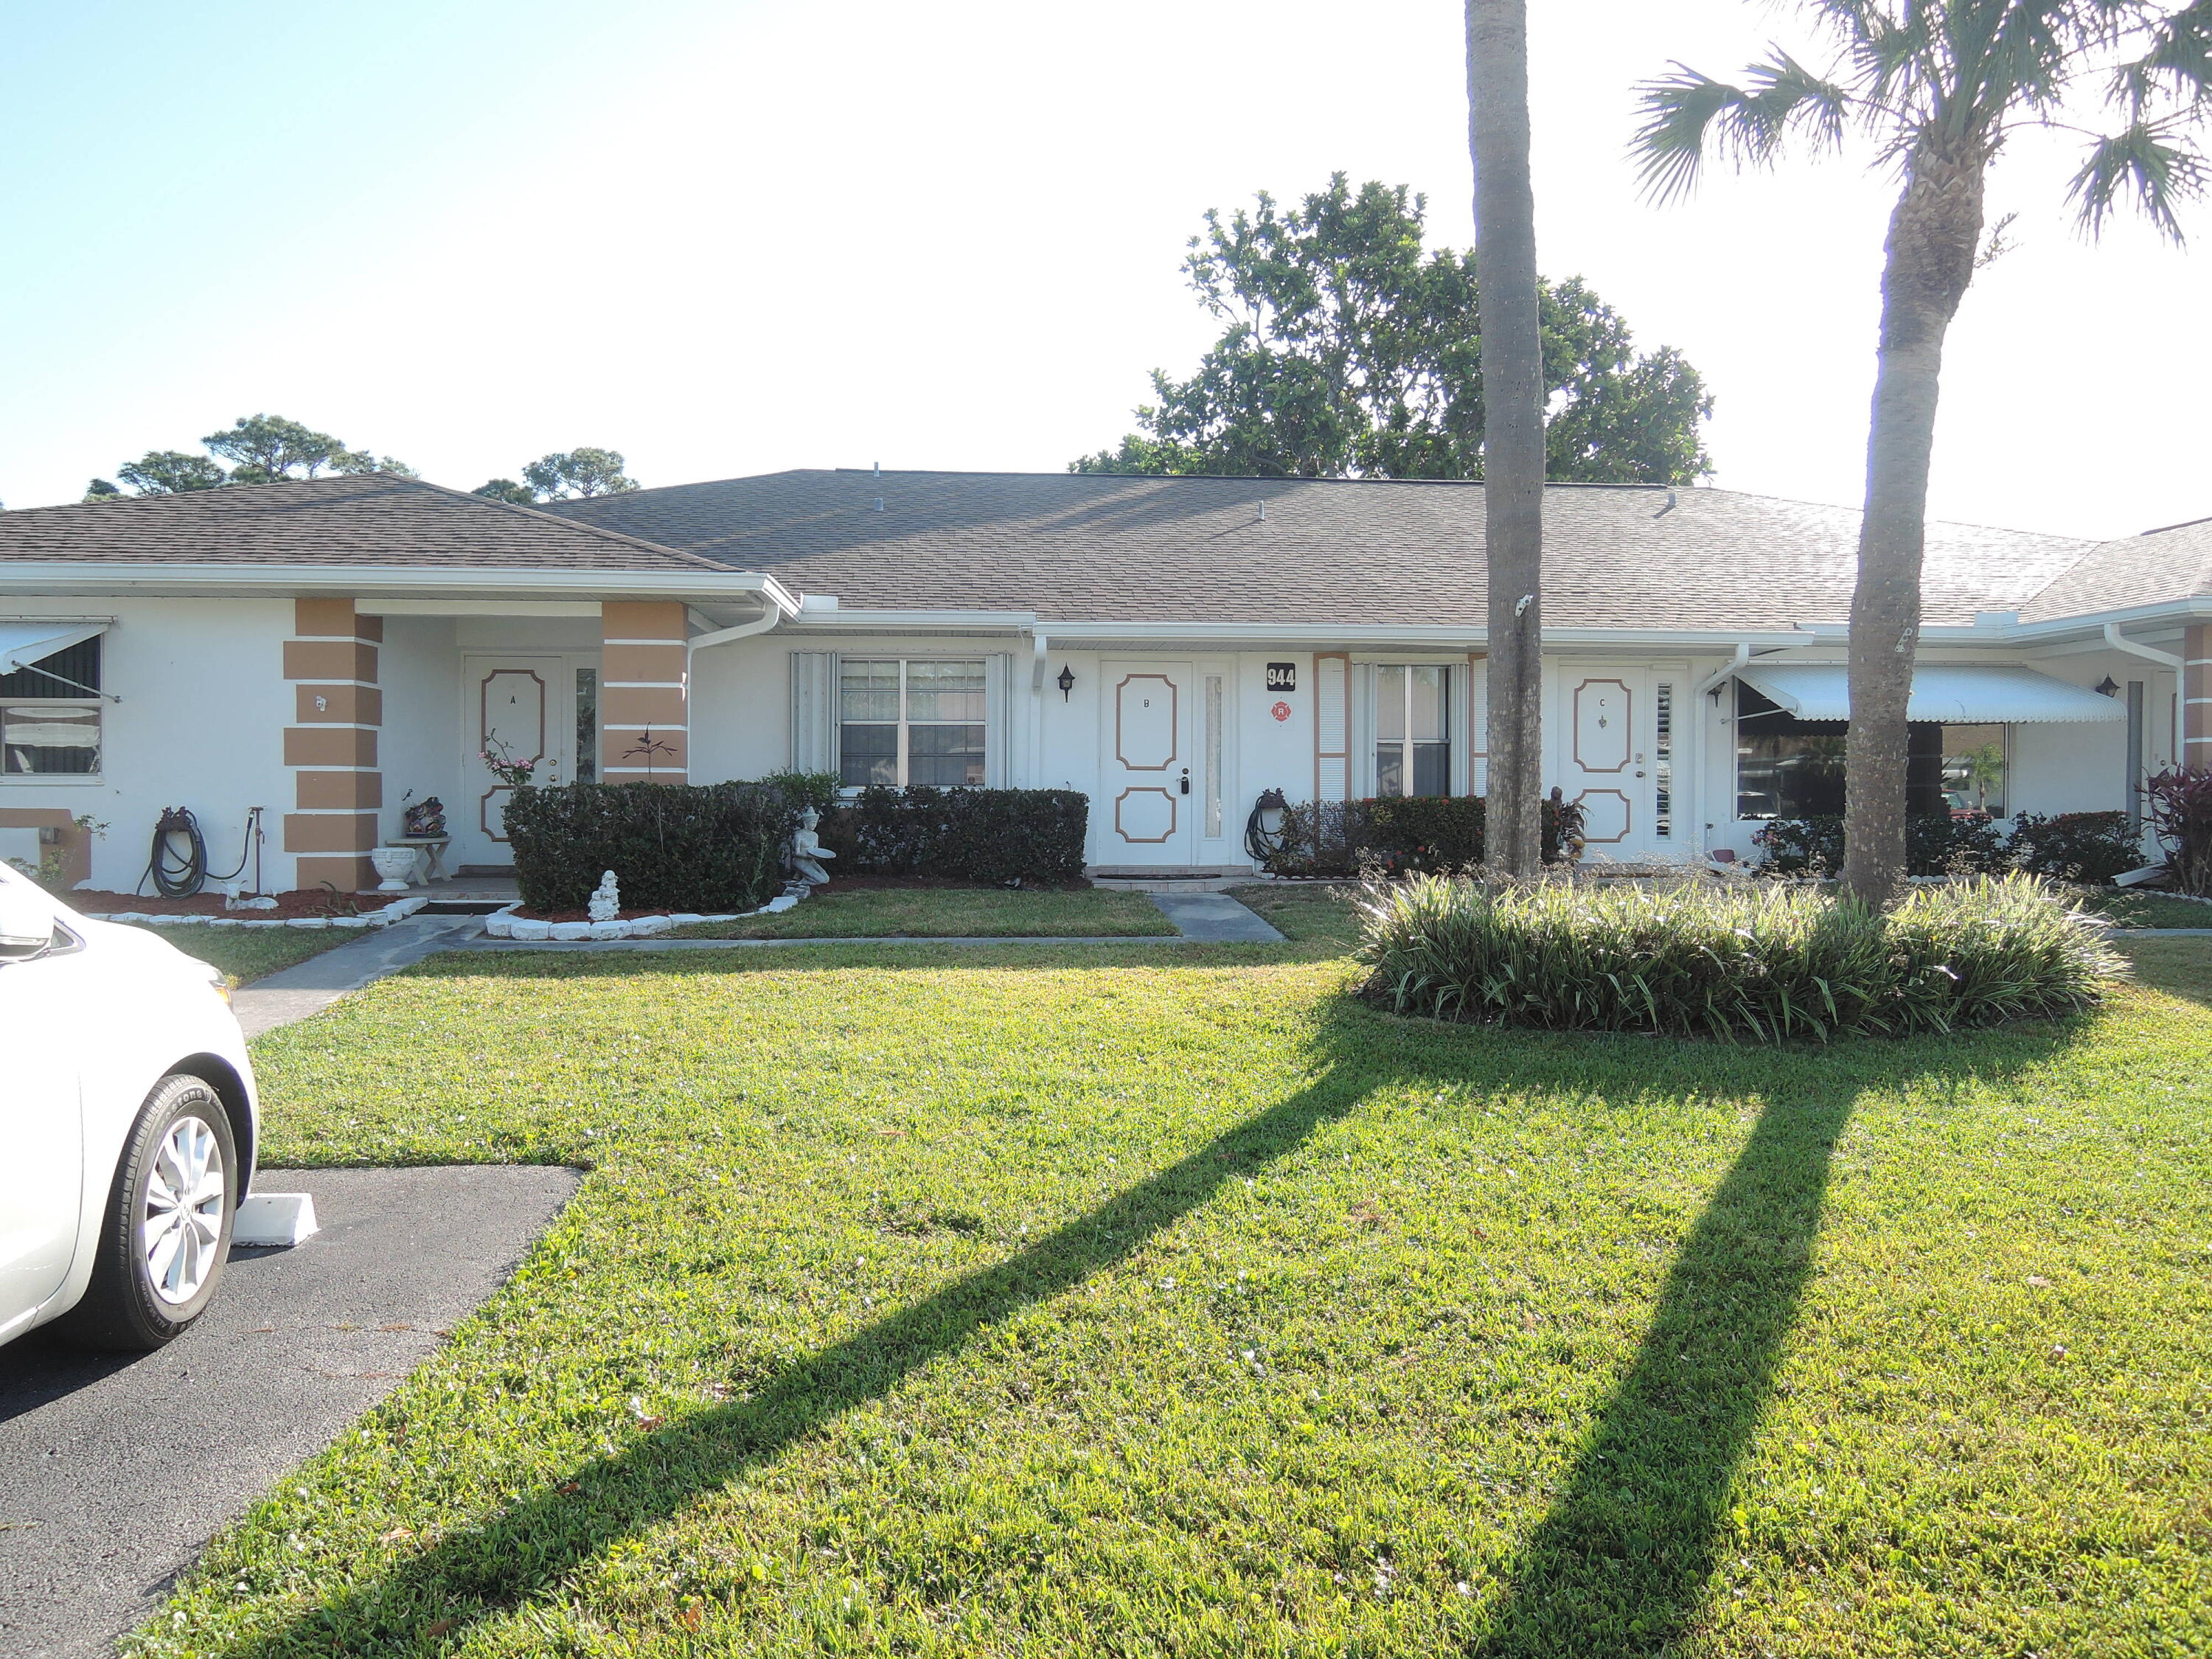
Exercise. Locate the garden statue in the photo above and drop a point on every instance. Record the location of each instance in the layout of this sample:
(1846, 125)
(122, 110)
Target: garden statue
(807, 852)
(425, 820)
(606, 899)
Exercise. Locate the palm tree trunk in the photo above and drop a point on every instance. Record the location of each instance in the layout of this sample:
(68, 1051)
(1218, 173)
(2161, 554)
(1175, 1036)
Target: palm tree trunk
(1512, 425)
(1929, 260)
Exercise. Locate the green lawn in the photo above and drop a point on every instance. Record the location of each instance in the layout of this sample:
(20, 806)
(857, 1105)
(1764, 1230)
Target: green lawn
(949, 913)
(1133, 1300)
(2132, 909)
(245, 954)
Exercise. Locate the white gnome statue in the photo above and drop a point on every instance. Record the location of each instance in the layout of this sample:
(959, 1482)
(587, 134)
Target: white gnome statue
(807, 852)
(606, 899)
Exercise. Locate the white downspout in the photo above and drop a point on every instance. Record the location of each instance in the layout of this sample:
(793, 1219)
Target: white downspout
(2149, 653)
(1742, 656)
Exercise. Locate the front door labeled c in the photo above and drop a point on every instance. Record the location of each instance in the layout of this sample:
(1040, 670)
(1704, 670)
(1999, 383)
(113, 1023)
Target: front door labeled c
(1147, 815)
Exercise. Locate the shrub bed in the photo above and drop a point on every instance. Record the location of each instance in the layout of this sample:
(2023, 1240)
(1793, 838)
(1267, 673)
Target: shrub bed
(2090, 846)
(1741, 962)
(2180, 803)
(1402, 835)
(996, 837)
(683, 847)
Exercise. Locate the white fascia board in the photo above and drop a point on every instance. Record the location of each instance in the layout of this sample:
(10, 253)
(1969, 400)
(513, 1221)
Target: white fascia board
(1440, 636)
(838, 620)
(76, 576)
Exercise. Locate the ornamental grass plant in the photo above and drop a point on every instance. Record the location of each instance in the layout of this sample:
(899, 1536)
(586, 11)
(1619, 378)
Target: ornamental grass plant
(1762, 961)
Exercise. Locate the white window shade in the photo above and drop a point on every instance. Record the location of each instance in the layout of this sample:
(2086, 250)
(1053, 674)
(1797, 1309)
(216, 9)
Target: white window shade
(1952, 693)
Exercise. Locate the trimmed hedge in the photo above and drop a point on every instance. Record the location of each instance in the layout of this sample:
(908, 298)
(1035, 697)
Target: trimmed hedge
(1745, 960)
(682, 847)
(1401, 834)
(2091, 847)
(998, 837)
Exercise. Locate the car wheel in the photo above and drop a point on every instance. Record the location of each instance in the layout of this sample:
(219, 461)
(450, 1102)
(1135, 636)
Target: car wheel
(167, 1232)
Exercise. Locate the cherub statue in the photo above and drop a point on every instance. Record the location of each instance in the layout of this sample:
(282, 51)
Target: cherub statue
(606, 899)
(807, 853)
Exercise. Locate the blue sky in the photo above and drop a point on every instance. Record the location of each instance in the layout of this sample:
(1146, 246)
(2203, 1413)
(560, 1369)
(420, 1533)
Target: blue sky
(730, 237)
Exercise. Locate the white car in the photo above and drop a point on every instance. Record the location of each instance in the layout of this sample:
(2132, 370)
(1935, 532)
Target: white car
(127, 1125)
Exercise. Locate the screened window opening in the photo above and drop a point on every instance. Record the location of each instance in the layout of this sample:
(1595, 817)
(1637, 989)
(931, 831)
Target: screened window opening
(1413, 730)
(588, 726)
(1787, 767)
(50, 714)
(903, 722)
(1214, 724)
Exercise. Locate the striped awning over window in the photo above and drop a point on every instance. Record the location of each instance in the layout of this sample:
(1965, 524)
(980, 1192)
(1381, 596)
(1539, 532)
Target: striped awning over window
(1954, 694)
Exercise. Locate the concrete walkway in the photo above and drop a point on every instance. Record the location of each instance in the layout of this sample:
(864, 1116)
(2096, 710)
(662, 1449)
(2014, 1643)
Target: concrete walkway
(314, 984)
(115, 1470)
(1216, 918)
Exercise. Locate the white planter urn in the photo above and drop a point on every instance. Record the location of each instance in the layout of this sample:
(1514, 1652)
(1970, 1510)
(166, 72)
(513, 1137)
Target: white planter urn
(396, 864)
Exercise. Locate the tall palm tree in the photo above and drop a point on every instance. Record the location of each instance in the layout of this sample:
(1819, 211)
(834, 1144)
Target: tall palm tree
(1513, 425)
(1940, 85)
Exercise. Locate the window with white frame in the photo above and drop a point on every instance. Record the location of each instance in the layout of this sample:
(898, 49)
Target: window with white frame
(1412, 729)
(906, 722)
(50, 714)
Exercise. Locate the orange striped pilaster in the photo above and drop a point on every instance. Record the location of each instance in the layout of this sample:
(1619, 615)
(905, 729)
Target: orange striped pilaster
(2197, 697)
(645, 733)
(331, 746)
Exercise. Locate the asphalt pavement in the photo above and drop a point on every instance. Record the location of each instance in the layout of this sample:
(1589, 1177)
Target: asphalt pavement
(116, 1470)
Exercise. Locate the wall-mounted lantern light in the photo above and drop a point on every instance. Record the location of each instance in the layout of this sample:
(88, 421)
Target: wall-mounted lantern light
(1066, 681)
(2107, 686)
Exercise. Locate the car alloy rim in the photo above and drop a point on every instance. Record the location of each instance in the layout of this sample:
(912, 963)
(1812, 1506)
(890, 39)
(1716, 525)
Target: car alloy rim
(184, 1195)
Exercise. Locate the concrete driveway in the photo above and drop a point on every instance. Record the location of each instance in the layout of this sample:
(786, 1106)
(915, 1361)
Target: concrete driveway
(115, 1471)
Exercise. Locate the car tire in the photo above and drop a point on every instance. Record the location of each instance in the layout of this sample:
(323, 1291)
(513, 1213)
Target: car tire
(167, 1232)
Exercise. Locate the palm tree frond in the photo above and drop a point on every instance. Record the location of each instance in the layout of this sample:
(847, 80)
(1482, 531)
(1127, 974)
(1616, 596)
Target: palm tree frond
(1688, 115)
(2144, 166)
(2177, 62)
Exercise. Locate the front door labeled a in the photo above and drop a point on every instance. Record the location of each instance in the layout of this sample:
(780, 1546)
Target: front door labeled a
(1615, 755)
(1147, 811)
(515, 708)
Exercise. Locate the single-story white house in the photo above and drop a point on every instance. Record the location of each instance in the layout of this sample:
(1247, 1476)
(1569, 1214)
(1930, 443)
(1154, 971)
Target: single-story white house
(328, 651)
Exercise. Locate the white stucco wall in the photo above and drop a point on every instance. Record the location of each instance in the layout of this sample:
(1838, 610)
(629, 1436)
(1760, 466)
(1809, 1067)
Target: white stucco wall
(418, 670)
(200, 725)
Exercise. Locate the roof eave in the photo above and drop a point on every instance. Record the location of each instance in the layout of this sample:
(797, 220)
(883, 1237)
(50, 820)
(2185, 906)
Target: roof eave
(173, 579)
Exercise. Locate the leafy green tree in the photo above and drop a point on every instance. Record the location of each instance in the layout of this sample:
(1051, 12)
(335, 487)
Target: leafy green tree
(266, 448)
(169, 472)
(1514, 438)
(1940, 86)
(1350, 351)
(567, 476)
(100, 489)
(506, 490)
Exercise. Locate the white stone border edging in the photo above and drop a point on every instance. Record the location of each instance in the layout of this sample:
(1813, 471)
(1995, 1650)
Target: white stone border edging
(397, 910)
(503, 923)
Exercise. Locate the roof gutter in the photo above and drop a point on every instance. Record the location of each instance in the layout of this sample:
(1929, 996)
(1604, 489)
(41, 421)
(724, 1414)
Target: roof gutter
(2149, 654)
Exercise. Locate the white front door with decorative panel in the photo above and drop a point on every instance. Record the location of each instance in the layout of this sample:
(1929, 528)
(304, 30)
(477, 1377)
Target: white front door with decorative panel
(1616, 757)
(520, 708)
(1148, 809)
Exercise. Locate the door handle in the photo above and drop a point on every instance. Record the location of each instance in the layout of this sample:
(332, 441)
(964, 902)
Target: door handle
(1186, 779)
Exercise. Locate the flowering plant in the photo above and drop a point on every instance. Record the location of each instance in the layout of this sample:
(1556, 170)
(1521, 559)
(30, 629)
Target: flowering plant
(499, 760)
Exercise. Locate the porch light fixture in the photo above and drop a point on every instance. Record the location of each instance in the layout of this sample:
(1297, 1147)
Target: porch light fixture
(2106, 686)
(1066, 681)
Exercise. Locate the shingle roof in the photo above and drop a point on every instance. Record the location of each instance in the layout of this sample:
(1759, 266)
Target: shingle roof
(2173, 563)
(369, 520)
(1089, 547)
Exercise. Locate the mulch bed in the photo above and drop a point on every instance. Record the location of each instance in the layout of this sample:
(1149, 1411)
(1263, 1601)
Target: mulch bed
(300, 902)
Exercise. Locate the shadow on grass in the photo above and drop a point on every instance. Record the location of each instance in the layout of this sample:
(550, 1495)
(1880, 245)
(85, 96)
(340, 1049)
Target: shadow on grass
(1618, 1566)
(431, 1600)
